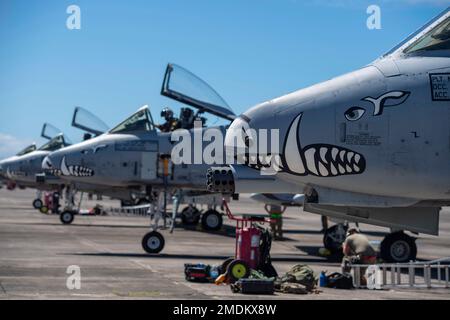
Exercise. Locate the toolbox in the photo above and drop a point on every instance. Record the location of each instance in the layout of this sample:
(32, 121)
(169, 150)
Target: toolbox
(253, 286)
(197, 272)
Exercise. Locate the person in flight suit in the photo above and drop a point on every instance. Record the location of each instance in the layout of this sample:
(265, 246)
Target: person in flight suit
(171, 123)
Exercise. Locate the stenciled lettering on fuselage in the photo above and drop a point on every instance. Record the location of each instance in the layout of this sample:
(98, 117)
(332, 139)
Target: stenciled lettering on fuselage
(137, 145)
(440, 86)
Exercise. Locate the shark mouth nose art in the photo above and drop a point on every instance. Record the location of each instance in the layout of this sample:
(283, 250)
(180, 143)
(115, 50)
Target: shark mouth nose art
(76, 171)
(322, 160)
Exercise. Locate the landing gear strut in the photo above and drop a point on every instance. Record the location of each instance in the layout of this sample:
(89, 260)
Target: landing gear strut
(398, 247)
(37, 203)
(68, 214)
(153, 242)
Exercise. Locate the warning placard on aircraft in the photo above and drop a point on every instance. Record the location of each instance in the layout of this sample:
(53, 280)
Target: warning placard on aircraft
(440, 86)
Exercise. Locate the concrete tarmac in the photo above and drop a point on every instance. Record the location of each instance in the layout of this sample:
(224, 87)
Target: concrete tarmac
(36, 251)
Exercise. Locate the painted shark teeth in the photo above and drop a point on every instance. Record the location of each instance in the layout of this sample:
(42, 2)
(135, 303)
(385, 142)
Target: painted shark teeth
(76, 171)
(321, 160)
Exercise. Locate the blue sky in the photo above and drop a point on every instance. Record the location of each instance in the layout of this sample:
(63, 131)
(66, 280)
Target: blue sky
(249, 51)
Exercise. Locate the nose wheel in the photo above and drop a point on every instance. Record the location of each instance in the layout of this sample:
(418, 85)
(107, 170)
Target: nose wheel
(153, 242)
(398, 247)
(66, 217)
(37, 204)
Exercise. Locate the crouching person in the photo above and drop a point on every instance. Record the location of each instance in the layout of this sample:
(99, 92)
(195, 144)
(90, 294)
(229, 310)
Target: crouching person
(357, 250)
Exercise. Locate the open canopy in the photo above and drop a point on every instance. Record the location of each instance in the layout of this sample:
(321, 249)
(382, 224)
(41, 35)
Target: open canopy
(183, 86)
(49, 131)
(28, 149)
(85, 120)
(141, 120)
(56, 143)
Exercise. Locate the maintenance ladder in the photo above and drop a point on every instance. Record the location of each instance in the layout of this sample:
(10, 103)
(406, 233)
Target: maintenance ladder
(404, 275)
(140, 210)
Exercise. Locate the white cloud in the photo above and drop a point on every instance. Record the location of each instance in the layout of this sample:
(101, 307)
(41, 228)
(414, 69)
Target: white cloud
(10, 145)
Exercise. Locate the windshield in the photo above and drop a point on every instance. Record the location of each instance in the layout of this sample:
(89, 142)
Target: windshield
(182, 85)
(139, 121)
(437, 38)
(27, 150)
(85, 120)
(56, 143)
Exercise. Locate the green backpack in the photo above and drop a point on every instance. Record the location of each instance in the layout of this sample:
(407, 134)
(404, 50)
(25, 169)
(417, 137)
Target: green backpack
(301, 274)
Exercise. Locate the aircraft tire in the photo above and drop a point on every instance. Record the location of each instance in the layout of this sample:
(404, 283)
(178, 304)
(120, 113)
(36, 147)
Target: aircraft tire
(212, 220)
(153, 242)
(334, 237)
(37, 204)
(66, 217)
(398, 247)
(190, 216)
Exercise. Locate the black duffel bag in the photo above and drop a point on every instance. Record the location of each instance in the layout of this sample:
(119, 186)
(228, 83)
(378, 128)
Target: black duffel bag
(340, 281)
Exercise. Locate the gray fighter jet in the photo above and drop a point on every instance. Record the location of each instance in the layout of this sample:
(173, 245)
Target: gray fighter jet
(23, 168)
(135, 156)
(371, 146)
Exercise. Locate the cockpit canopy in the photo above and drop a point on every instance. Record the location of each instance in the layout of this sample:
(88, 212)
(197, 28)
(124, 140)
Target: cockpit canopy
(85, 120)
(56, 143)
(141, 120)
(185, 87)
(432, 38)
(49, 131)
(438, 38)
(28, 149)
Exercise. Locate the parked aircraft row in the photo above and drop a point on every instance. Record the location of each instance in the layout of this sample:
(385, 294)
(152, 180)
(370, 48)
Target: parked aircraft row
(371, 146)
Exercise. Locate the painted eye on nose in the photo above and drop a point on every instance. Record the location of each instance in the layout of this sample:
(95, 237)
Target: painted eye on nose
(354, 113)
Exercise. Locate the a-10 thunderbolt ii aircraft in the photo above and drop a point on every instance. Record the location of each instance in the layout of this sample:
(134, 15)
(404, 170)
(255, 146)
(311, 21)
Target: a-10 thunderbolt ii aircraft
(25, 169)
(136, 156)
(22, 168)
(5, 175)
(371, 146)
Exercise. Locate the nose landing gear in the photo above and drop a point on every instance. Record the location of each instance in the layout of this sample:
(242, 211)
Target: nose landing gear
(153, 242)
(67, 216)
(37, 204)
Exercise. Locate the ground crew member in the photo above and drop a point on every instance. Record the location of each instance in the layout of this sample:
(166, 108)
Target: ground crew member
(357, 250)
(276, 220)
